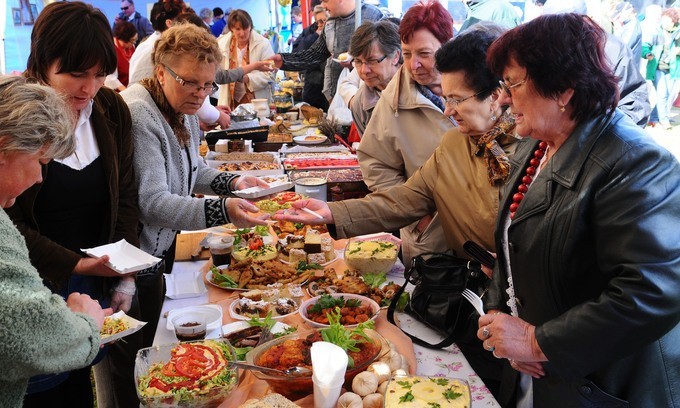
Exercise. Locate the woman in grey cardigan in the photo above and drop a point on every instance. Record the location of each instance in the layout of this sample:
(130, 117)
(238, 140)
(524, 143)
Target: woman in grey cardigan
(40, 332)
(168, 168)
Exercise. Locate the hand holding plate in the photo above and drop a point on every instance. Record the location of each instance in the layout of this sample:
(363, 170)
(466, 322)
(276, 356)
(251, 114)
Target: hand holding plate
(296, 213)
(94, 267)
(241, 213)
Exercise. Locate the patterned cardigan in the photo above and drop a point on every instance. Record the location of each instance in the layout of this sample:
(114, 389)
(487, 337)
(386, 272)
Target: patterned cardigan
(168, 174)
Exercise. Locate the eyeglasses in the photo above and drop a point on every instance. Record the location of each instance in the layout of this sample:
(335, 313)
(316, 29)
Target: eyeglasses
(371, 63)
(452, 103)
(125, 8)
(506, 88)
(210, 89)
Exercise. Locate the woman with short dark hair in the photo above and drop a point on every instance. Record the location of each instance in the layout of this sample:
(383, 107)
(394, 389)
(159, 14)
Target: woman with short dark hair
(462, 180)
(376, 52)
(124, 39)
(586, 236)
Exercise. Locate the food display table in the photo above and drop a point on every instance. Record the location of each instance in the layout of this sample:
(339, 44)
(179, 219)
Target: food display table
(448, 362)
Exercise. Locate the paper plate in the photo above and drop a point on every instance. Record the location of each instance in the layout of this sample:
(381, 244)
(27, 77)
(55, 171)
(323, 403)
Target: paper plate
(123, 257)
(133, 324)
(180, 286)
(256, 192)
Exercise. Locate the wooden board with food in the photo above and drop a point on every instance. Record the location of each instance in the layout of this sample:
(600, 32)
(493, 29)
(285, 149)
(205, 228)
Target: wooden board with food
(312, 248)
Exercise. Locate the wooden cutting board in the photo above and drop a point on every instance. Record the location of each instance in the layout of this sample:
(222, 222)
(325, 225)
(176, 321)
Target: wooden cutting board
(189, 247)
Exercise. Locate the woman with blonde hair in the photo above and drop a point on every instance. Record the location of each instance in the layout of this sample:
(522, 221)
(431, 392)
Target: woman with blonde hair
(168, 168)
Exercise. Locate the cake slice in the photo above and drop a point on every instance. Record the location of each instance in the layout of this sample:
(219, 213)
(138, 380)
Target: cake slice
(312, 242)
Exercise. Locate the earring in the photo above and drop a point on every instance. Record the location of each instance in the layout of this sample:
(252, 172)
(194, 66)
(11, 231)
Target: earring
(562, 108)
(493, 118)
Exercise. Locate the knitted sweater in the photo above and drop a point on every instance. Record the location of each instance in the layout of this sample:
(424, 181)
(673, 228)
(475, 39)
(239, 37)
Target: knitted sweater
(333, 41)
(168, 174)
(38, 332)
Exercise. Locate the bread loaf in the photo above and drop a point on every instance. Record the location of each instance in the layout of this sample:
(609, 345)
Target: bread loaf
(270, 401)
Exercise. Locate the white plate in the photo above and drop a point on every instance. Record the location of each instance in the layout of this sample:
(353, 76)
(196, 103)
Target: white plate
(256, 192)
(180, 286)
(123, 257)
(133, 323)
(232, 313)
(364, 301)
(278, 327)
(213, 313)
(343, 61)
(301, 140)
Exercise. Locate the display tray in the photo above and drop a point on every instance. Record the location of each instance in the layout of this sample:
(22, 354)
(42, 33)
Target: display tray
(256, 134)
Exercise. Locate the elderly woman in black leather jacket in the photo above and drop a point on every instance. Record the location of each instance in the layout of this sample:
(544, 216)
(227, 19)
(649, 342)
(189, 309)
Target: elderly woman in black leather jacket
(587, 236)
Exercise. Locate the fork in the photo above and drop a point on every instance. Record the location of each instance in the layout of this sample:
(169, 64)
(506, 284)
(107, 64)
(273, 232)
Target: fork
(474, 300)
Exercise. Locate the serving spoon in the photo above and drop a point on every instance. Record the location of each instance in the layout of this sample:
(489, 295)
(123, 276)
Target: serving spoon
(293, 371)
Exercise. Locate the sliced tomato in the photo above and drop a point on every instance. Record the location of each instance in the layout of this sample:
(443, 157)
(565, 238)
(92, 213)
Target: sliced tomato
(255, 243)
(189, 367)
(158, 384)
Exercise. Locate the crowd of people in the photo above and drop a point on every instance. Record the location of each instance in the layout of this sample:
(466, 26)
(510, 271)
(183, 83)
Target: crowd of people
(526, 138)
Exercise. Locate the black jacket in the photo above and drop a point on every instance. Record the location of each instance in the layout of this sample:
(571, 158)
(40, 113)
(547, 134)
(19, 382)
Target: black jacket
(595, 254)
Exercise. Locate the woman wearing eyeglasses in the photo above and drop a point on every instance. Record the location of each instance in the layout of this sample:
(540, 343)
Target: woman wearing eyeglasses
(168, 168)
(587, 238)
(462, 180)
(376, 52)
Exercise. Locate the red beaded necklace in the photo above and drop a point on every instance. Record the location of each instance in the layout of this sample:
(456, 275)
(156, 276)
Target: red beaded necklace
(528, 177)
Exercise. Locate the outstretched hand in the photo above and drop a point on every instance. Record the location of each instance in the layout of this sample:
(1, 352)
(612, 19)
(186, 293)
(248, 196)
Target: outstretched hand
(242, 213)
(244, 182)
(299, 212)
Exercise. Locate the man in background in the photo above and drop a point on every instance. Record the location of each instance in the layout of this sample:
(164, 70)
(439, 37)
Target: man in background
(219, 22)
(332, 42)
(500, 12)
(141, 23)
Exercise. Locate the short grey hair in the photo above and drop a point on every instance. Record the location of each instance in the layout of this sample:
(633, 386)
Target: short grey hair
(206, 13)
(34, 116)
(384, 33)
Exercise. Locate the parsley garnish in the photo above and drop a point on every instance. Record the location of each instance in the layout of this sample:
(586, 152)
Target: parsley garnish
(451, 395)
(404, 384)
(344, 338)
(374, 280)
(441, 381)
(406, 397)
(433, 405)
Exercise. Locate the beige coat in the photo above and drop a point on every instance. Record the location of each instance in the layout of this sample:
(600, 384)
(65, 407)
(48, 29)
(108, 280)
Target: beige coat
(260, 50)
(404, 130)
(453, 181)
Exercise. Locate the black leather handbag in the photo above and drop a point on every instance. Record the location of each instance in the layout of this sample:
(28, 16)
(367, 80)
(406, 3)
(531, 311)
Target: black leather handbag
(437, 299)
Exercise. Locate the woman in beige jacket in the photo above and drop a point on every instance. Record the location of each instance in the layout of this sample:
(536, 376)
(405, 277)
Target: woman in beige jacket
(408, 121)
(462, 180)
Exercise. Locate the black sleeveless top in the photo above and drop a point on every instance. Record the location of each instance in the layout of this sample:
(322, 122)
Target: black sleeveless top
(72, 209)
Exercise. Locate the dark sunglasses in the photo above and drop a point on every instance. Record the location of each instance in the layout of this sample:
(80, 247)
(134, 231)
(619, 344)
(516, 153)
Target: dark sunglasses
(125, 8)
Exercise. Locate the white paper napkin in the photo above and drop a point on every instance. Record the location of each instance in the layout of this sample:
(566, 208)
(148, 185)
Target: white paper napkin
(329, 363)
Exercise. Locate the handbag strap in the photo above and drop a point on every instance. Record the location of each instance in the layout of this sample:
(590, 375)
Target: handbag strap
(393, 305)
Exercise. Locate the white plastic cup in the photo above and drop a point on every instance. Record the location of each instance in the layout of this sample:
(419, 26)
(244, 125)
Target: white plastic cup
(326, 396)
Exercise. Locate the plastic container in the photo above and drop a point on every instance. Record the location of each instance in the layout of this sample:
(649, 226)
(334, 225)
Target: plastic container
(220, 249)
(190, 326)
(312, 187)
